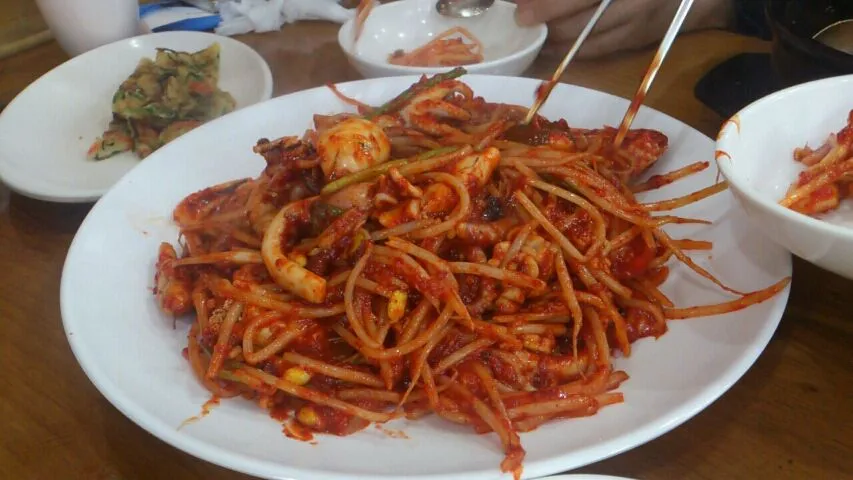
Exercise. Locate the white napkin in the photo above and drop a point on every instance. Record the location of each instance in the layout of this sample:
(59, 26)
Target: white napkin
(242, 16)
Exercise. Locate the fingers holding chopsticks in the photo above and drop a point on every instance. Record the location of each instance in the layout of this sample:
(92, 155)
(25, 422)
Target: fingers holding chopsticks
(627, 24)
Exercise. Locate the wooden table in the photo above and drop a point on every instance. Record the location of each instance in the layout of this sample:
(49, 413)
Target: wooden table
(789, 417)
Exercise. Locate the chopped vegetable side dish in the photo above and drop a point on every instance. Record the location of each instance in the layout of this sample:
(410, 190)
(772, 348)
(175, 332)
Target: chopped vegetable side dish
(162, 100)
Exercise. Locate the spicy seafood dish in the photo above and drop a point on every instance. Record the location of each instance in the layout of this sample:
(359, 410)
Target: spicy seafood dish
(432, 256)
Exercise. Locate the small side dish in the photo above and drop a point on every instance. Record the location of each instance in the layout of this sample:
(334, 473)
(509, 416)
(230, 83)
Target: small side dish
(163, 99)
(828, 177)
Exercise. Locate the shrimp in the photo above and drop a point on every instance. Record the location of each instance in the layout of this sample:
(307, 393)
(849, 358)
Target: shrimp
(351, 146)
(287, 273)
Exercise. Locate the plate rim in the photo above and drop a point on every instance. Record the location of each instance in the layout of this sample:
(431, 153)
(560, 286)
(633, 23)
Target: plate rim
(628, 440)
(92, 195)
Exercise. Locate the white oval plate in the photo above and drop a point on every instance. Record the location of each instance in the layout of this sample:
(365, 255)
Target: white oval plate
(47, 129)
(133, 355)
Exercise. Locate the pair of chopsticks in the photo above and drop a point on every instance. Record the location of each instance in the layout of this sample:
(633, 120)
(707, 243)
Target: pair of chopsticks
(652, 71)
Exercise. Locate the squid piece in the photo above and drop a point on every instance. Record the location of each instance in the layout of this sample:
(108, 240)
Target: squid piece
(351, 146)
(485, 234)
(476, 169)
(287, 273)
(354, 196)
(426, 110)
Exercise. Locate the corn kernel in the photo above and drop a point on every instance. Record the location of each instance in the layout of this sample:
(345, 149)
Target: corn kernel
(299, 259)
(397, 305)
(308, 417)
(264, 335)
(297, 376)
(359, 238)
(538, 343)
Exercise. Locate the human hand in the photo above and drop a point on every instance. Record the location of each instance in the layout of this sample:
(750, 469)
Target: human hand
(626, 25)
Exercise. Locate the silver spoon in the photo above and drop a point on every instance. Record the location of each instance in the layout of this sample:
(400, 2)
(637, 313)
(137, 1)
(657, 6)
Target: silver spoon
(839, 36)
(462, 8)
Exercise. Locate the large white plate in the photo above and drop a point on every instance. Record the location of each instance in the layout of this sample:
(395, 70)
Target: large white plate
(132, 354)
(47, 129)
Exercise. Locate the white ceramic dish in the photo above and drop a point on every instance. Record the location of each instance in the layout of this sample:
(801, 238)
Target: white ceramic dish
(133, 355)
(508, 48)
(47, 129)
(755, 154)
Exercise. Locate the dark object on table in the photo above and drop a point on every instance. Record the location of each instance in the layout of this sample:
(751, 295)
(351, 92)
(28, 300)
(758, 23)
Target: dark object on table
(750, 19)
(737, 82)
(797, 57)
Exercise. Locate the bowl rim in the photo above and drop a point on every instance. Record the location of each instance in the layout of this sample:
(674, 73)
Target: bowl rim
(727, 137)
(347, 46)
(804, 45)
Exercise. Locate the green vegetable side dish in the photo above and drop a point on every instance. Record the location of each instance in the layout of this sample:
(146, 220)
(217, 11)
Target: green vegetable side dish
(162, 100)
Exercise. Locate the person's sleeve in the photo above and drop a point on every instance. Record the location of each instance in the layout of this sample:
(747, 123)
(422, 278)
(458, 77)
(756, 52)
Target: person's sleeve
(750, 19)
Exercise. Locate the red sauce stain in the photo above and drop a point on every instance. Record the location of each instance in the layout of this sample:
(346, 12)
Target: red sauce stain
(298, 432)
(720, 154)
(632, 260)
(642, 324)
(280, 413)
(735, 120)
(392, 433)
(205, 411)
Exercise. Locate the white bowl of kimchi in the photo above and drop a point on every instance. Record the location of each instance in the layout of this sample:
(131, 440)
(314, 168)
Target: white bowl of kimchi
(409, 37)
(788, 159)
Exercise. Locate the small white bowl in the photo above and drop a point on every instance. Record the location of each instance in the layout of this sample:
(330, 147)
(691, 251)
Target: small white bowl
(755, 155)
(509, 49)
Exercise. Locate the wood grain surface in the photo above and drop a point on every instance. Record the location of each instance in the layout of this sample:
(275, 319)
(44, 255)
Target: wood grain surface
(789, 417)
